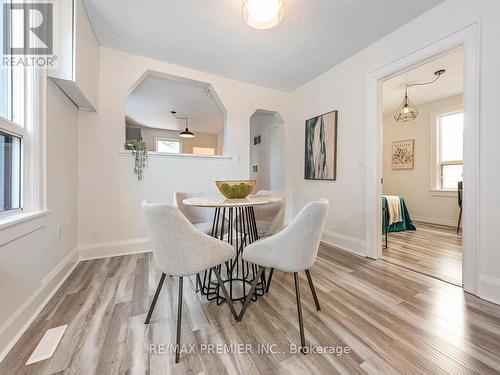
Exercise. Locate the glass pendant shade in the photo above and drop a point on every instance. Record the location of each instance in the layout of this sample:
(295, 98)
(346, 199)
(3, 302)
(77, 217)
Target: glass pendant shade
(262, 14)
(186, 134)
(407, 111)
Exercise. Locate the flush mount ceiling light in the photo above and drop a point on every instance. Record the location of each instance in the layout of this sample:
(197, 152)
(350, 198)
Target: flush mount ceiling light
(262, 14)
(407, 110)
(186, 133)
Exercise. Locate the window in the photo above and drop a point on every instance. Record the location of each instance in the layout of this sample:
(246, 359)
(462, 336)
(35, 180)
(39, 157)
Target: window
(168, 145)
(450, 129)
(12, 132)
(22, 128)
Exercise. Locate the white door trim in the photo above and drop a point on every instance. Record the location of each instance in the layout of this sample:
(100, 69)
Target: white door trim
(467, 37)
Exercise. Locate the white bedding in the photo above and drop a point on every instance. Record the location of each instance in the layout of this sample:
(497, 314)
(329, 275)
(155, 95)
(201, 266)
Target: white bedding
(394, 208)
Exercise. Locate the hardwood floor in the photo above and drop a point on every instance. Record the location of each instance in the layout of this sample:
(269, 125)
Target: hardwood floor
(432, 250)
(392, 320)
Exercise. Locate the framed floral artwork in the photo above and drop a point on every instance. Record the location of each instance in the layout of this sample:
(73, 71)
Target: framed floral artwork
(403, 154)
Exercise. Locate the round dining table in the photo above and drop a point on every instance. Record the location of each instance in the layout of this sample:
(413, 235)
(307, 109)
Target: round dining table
(234, 221)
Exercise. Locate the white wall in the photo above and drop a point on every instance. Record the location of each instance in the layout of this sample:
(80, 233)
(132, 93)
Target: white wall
(32, 265)
(109, 194)
(344, 88)
(268, 155)
(415, 184)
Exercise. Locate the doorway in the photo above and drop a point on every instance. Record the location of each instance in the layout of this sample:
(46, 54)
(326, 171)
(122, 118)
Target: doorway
(422, 157)
(468, 38)
(267, 150)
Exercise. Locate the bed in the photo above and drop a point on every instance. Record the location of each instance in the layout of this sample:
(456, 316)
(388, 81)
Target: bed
(403, 223)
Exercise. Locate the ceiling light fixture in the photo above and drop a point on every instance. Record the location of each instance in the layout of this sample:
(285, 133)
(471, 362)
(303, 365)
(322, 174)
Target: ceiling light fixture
(186, 133)
(407, 110)
(262, 14)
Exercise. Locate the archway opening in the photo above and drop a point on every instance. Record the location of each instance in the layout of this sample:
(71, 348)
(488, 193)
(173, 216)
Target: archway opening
(267, 150)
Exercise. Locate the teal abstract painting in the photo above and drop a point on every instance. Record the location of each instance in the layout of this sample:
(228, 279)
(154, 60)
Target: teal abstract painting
(321, 147)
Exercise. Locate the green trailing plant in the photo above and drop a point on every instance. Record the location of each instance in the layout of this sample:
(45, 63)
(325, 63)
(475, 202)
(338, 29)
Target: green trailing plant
(140, 155)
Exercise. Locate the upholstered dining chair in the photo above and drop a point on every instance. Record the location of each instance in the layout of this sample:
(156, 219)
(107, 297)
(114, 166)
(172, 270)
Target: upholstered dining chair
(293, 249)
(200, 217)
(269, 218)
(179, 249)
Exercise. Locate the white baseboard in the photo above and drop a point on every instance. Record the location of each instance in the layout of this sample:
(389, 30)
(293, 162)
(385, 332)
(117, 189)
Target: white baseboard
(343, 242)
(489, 289)
(15, 326)
(114, 248)
(437, 221)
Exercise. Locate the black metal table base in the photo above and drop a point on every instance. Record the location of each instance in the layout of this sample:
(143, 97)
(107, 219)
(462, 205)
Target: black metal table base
(237, 226)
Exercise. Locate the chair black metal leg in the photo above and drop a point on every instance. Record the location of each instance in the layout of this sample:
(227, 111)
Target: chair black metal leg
(269, 280)
(299, 311)
(153, 302)
(226, 294)
(179, 322)
(198, 283)
(459, 220)
(313, 290)
(250, 293)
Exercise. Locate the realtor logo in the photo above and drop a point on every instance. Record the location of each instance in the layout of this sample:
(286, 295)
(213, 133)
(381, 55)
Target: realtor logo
(28, 28)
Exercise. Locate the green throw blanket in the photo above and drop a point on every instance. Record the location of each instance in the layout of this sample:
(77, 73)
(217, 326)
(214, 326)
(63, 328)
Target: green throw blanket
(406, 224)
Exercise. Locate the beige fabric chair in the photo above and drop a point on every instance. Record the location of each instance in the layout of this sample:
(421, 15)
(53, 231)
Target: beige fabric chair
(201, 217)
(179, 249)
(269, 218)
(293, 249)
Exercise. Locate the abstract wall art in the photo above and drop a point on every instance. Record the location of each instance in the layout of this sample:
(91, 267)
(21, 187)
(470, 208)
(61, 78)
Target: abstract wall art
(403, 154)
(321, 147)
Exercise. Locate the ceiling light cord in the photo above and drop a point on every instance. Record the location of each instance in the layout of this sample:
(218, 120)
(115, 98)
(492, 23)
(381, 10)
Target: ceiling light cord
(438, 74)
(179, 117)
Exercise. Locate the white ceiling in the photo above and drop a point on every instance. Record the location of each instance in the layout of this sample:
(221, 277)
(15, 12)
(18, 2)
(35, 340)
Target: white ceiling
(150, 103)
(209, 35)
(449, 84)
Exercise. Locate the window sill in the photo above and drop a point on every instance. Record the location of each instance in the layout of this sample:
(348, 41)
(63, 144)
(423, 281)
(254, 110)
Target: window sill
(444, 193)
(18, 225)
(153, 154)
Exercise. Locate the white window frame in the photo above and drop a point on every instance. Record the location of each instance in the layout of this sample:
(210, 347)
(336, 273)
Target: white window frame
(436, 163)
(15, 124)
(28, 118)
(169, 140)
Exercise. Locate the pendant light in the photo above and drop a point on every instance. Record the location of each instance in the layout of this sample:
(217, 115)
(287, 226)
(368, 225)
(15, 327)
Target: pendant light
(186, 133)
(262, 14)
(407, 110)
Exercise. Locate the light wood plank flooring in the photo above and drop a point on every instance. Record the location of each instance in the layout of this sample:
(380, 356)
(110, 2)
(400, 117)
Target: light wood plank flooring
(432, 250)
(392, 319)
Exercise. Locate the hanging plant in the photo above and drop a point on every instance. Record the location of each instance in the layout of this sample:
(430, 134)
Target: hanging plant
(140, 155)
